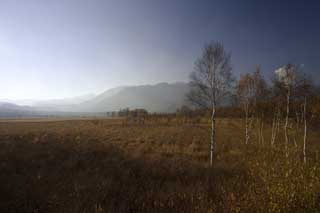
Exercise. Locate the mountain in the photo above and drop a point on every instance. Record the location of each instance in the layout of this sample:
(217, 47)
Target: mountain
(51, 104)
(12, 110)
(162, 97)
(9, 110)
(63, 102)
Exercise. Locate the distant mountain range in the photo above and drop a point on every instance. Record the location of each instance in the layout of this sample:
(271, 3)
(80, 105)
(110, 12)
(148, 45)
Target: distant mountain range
(162, 97)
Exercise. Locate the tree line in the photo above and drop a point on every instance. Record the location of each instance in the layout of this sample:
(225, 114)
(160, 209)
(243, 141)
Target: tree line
(290, 99)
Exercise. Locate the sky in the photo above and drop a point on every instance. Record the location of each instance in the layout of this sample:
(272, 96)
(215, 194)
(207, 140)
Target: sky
(64, 48)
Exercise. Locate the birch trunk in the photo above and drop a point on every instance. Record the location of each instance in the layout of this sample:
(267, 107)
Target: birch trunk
(305, 131)
(247, 126)
(286, 123)
(259, 130)
(213, 134)
(261, 136)
(297, 121)
(275, 127)
(273, 130)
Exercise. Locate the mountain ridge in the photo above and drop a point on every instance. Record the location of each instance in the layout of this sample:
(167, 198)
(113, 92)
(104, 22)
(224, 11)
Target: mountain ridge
(160, 97)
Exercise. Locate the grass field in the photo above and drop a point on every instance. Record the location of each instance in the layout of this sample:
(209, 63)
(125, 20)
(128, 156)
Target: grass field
(107, 166)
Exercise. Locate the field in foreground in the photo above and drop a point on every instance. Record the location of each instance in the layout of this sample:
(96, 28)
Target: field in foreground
(106, 166)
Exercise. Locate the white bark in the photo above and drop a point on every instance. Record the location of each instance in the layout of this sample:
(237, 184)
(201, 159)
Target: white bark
(247, 124)
(260, 131)
(273, 130)
(275, 127)
(305, 131)
(287, 122)
(213, 135)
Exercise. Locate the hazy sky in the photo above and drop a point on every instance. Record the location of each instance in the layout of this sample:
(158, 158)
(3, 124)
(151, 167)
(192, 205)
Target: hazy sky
(63, 48)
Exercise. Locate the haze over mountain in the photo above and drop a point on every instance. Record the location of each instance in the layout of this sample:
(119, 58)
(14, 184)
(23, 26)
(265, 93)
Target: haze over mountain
(162, 97)
(51, 102)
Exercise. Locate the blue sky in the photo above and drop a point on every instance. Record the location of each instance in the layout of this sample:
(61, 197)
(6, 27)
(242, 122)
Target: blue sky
(64, 48)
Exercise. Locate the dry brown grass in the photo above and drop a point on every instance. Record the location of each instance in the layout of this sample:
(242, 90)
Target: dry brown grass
(105, 166)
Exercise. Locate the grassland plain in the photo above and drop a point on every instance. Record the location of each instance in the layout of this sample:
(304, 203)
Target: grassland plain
(112, 166)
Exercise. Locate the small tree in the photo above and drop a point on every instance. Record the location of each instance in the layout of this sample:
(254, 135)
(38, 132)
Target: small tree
(304, 91)
(246, 96)
(251, 92)
(211, 81)
(286, 77)
(278, 101)
(262, 95)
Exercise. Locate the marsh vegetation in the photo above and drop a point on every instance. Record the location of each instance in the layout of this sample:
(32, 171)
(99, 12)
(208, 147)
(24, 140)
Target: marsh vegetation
(116, 166)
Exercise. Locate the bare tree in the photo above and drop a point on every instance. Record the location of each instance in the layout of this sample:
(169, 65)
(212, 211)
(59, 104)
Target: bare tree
(286, 76)
(251, 91)
(246, 96)
(262, 93)
(304, 90)
(211, 81)
(278, 100)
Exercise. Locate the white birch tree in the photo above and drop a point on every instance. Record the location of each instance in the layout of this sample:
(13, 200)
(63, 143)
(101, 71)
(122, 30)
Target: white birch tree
(246, 96)
(304, 91)
(211, 81)
(286, 76)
